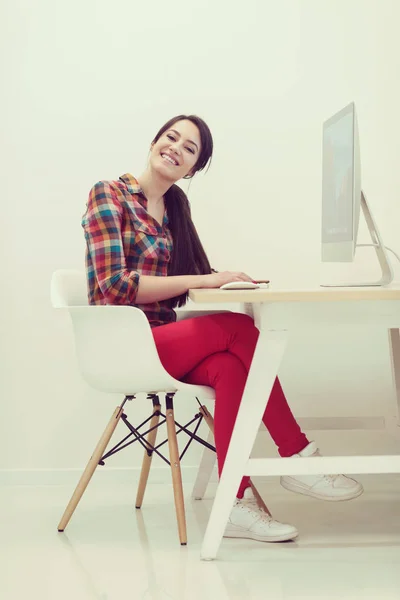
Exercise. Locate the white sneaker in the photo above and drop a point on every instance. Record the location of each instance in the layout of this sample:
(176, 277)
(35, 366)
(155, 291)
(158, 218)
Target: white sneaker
(248, 520)
(323, 487)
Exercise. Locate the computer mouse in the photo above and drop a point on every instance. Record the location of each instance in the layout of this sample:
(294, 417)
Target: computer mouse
(243, 285)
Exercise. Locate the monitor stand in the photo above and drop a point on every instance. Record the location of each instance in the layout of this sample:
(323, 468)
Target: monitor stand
(377, 243)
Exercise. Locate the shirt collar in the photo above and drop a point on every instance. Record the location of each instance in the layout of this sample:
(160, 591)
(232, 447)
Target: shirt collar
(131, 183)
(133, 187)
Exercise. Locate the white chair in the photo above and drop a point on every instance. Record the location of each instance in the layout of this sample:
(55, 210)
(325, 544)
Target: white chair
(117, 354)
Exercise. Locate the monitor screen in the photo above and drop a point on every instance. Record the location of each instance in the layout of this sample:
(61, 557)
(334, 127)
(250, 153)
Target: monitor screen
(338, 178)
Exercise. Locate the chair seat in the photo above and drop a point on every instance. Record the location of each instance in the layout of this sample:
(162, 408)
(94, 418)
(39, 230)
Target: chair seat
(150, 381)
(202, 391)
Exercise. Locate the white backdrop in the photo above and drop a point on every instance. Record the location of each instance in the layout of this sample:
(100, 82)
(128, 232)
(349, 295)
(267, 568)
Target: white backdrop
(88, 84)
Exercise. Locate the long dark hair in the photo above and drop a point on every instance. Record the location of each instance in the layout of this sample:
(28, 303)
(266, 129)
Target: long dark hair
(188, 255)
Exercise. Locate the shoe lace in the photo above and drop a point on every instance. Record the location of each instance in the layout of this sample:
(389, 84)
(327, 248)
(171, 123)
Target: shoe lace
(330, 478)
(254, 506)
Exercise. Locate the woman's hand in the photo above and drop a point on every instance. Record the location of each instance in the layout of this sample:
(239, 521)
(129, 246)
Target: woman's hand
(215, 280)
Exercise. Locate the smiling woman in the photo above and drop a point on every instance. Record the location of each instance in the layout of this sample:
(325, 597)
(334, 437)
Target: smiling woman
(189, 146)
(150, 253)
(143, 250)
(190, 143)
(178, 148)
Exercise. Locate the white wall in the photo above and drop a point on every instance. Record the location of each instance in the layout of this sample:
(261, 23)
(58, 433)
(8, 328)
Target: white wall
(87, 86)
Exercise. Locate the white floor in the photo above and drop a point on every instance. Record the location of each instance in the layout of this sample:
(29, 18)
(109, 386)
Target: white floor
(111, 551)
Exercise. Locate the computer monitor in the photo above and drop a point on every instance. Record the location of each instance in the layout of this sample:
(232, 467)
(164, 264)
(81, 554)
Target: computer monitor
(342, 196)
(341, 186)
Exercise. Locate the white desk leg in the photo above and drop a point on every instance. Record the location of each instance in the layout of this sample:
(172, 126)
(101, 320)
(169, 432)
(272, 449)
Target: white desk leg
(206, 468)
(263, 371)
(394, 346)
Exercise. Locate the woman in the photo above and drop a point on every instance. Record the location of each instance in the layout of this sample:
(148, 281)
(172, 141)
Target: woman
(143, 250)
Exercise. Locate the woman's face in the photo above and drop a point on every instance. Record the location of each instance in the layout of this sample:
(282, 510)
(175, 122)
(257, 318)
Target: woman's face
(177, 151)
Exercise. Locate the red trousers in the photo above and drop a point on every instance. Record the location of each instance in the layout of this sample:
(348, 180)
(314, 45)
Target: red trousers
(216, 350)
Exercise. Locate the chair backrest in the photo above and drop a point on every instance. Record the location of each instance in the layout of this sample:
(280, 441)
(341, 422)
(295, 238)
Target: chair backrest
(114, 344)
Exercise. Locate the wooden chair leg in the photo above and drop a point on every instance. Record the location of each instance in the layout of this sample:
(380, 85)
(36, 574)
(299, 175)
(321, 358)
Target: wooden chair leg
(207, 417)
(176, 474)
(201, 490)
(90, 468)
(146, 464)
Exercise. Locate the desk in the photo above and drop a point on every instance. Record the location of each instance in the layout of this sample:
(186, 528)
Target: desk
(276, 313)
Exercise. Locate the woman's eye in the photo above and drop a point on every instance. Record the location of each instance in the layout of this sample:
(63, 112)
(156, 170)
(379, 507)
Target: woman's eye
(190, 150)
(170, 137)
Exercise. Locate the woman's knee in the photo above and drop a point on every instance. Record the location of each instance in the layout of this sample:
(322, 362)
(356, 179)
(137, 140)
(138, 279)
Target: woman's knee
(226, 369)
(243, 328)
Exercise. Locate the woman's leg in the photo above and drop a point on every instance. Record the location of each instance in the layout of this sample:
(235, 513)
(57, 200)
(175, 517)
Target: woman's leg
(185, 344)
(226, 374)
(281, 424)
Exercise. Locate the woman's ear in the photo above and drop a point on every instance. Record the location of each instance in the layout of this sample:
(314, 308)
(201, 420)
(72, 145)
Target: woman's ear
(190, 175)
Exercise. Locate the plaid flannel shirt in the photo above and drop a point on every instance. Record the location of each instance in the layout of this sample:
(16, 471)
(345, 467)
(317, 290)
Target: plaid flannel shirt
(124, 241)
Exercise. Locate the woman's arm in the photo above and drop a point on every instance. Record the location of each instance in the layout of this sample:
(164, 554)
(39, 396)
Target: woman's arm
(102, 225)
(119, 285)
(153, 288)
